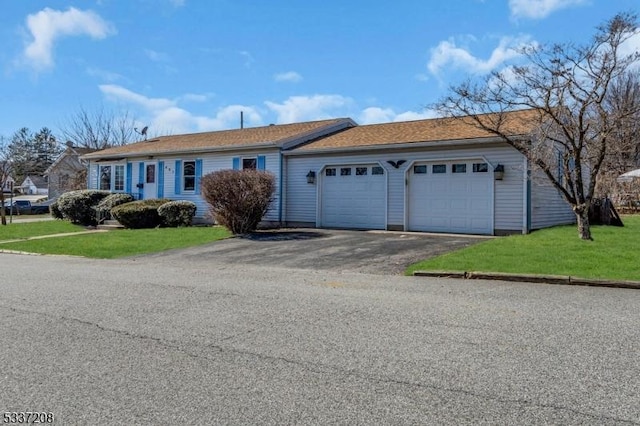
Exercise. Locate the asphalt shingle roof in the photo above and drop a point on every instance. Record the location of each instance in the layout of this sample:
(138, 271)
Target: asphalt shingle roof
(273, 135)
(431, 130)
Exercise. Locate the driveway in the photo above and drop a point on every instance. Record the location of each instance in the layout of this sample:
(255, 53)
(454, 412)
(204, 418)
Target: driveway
(377, 252)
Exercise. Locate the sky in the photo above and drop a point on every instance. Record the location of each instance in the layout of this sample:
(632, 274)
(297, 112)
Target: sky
(183, 66)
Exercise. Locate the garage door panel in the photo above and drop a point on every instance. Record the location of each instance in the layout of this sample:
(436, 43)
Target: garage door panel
(450, 202)
(354, 201)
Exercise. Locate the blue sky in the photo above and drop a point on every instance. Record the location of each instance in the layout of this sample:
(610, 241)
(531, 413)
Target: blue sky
(192, 65)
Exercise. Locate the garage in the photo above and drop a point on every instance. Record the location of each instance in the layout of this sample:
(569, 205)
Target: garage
(450, 196)
(353, 196)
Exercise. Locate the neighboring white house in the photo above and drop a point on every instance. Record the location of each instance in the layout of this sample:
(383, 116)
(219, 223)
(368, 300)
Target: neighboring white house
(34, 185)
(438, 175)
(8, 184)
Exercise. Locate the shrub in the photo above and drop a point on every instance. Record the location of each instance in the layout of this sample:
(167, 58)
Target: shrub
(104, 207)
(55, 211)
(139, 214)
(238, 198)
(177, 213)
(79, 206)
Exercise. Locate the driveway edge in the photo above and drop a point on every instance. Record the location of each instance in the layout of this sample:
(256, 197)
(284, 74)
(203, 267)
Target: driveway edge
(530, 278)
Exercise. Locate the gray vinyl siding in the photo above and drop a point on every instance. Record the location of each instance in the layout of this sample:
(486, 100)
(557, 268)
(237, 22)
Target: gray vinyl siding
(548, 207)
(509, 193)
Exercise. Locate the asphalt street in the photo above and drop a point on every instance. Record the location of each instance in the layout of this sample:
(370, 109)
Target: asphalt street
(166, 340)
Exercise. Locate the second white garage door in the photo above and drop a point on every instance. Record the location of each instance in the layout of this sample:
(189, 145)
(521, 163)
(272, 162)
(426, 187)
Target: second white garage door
(452, 197)
(353, 196)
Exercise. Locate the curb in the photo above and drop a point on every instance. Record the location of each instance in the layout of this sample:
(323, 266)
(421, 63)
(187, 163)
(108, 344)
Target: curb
(530, 278)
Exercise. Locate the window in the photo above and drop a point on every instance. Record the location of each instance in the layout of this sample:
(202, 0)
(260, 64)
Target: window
(118, 183)
(330, 172)
(63, 182)
(459, 168)
(189, 175)
(480, 167)
(249, 163)
(361, 171)
(420, 170)
(105, 178)
(151, 173)
(377, 170)
(345, 171)
(439, 168)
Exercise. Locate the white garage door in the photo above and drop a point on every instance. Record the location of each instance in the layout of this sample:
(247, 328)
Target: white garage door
(452, 197)
(353, 197)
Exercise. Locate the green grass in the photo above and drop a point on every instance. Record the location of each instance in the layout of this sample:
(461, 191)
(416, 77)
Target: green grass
(614, 253)
(31, 229)
(121, 243)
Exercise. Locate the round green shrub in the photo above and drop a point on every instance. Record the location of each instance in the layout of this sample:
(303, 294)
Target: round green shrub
(177, 213)
(104, 207)
(80, 206)
(55, 211)
(139, 214)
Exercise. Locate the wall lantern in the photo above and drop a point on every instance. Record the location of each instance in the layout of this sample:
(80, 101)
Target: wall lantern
(498, 172)
(311, 177)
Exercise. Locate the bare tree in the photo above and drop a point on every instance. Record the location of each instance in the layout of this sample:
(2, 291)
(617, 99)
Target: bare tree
(99, 129)
(5, 176)
(572, 124)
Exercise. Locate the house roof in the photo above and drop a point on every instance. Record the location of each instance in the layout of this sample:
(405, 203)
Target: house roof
(431, 130)
(37, 181)
(267, 136)
(70, 150)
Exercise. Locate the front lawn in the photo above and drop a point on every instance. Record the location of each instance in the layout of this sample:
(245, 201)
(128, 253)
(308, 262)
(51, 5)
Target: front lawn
(121, 243)
(14, 231)
(614, 253)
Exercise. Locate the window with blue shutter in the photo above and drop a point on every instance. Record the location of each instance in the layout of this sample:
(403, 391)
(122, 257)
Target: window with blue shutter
(160, 179)
(129, 178)
(261, 162)
(236, 163)
(198, 175)
(178, 178)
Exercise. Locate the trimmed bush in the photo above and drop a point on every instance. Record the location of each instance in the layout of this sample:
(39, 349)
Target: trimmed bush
(139, 214)
(55, 211)
(239, 198)
(104, 207)
(80, 206)
(177, 213)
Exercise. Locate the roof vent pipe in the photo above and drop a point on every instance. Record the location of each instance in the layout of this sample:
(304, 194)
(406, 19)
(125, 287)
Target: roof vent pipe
(242, 119)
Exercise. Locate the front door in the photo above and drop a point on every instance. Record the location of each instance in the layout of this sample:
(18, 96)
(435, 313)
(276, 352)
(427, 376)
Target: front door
(150, 180)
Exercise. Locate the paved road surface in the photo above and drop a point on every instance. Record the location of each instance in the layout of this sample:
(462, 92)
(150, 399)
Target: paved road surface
(169, 341)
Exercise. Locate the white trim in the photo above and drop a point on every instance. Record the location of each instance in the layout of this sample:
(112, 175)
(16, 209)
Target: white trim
(408, 167)
(320, 175)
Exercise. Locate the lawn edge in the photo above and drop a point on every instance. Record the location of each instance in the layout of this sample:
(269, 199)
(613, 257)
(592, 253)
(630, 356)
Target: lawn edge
(530, 278)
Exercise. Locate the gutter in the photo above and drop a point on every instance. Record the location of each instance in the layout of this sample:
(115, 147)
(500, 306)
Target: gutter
(395, 146)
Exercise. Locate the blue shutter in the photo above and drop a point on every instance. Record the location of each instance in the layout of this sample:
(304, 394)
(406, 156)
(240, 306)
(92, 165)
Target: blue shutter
(178, 185)
(141, 180)
(198, 174)
(236, 163)
(129, 178)
(261, 162)
(160, 179)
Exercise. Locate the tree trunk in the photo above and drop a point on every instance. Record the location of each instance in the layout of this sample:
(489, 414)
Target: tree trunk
(582, 217)
(3, 217)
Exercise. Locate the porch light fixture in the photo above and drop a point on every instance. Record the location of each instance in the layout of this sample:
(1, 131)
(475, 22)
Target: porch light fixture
(311, 177)
(498, 172)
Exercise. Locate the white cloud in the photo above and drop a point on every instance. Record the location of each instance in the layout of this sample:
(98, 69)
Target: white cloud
(291, 77)
(156, 56)
(305, 108)
(165, 116)
(105, 75)
(538, 9)
(374, 115)
(448, 53)
(48, 25)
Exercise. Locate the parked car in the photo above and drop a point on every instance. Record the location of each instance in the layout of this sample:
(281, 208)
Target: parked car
(25, 207)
